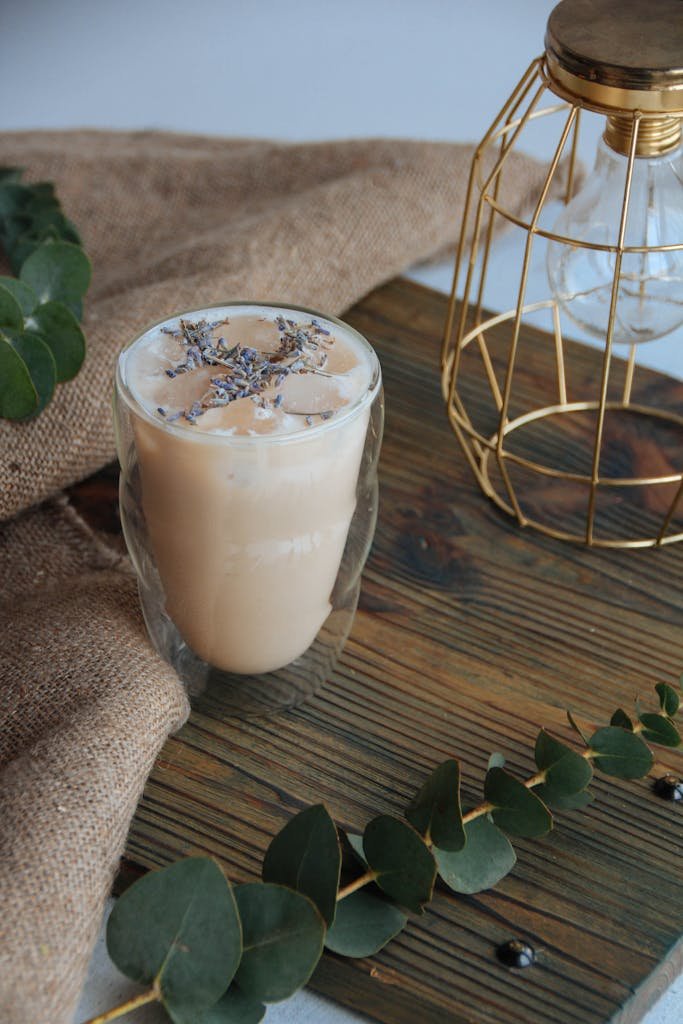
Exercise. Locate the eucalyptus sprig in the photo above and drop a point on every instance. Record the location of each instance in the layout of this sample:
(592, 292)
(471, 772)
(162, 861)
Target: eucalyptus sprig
(212, 953)
(41, 341)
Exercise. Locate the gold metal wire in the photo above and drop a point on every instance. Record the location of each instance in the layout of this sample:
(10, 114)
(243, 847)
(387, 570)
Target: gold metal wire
(466, 325)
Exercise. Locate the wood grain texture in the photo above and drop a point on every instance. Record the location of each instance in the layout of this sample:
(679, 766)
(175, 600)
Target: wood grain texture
(471, 634)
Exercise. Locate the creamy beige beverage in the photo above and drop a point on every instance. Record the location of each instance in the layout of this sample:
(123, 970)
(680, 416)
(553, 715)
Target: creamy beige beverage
(249, 425)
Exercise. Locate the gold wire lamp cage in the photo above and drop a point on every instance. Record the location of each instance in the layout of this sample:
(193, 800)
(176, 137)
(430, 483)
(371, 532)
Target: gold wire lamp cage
(597, 458)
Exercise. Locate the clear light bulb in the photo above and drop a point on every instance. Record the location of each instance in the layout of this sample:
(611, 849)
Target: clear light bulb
(650, 297)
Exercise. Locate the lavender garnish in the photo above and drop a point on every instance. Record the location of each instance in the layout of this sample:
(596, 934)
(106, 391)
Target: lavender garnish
(246, 372)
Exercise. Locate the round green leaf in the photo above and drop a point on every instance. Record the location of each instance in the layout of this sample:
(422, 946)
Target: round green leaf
(24, 295)
(306, 856)
(41, 192)
(517, 809)
(10, 311)
(621, 719)
(8, 174)
(283, 938)
(659, 729)
(179, 925)
(564, 802)
(39, 363)
(576, 727)
(566, 771)
(405, 868)
(13, 198)
(621, 753)
(49, 215)
(363, 925)
(59, 271)
(32, 231)
(435, 811)
(232, 1008)
(18, 395)
(25, 243)
(356, 843)
(669, 699)
(63, 334)
(486, 857)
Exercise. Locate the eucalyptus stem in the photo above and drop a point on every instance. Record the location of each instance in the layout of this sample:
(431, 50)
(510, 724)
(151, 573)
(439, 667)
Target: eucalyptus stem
(477, 812)
(131, 1004)
(362, 880)
(297, 907)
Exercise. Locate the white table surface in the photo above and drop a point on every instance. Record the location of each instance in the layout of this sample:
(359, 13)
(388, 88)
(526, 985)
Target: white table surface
(307, 69)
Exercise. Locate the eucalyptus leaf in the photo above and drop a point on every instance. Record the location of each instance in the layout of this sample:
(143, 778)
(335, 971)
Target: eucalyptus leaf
(10, 310)
(669, 699)
(42, 191)
(18, 395)
(25, 244)
(41, 341)
(57, 271)
(659, 729)
(12, 174)
(436, 812)
(363, 925)
(516, 809)
(17, 222)
(620, 753)
(21, 206)
(283, 935)
(621, 719)
(356, 843)
(564, 802)
(24, 295)
(567, 772)
(50, 215)
(63, 334)
(39, 362)
(576, 727)
(405, 868)
(486, 857)
(178, 926)
(13, 199)
(49, 225)
(306, 856)
(234, 1007)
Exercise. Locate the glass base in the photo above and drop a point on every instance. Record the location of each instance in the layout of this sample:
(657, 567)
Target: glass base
(221, 693)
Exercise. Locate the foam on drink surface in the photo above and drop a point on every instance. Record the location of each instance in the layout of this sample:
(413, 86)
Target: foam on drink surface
(249, 445)
(247, 372)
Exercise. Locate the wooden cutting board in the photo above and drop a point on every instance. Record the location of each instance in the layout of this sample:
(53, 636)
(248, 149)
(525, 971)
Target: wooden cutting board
(470, 635)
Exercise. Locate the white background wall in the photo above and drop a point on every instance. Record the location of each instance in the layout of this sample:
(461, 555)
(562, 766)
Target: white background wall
(299, 69)
(289, 69)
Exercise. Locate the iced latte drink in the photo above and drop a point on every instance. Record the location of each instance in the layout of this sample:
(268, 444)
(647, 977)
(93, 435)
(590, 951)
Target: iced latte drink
(248, 437)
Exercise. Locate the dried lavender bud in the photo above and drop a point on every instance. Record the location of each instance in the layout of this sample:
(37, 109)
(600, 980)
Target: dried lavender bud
(247, 370)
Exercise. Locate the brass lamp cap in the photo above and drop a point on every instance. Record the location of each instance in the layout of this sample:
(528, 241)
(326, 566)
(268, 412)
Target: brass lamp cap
(618, 55)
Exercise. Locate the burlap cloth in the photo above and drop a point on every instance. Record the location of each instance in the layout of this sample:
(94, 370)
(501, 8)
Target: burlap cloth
(170, 222)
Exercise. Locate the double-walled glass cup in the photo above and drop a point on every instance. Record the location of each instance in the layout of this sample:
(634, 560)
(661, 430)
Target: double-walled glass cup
(248, 550)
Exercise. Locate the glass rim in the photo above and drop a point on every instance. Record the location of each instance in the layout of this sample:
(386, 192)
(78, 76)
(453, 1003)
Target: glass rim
(365, 399)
